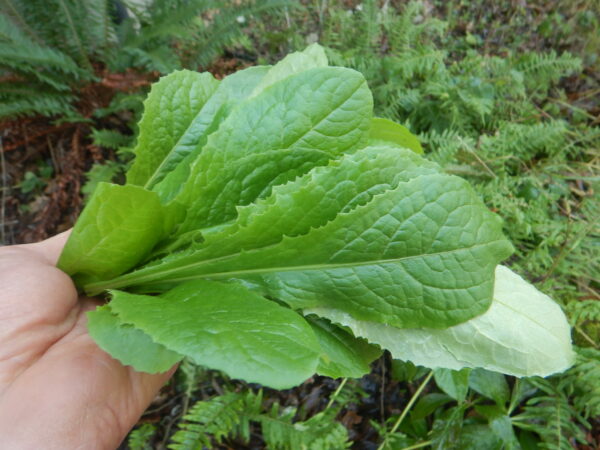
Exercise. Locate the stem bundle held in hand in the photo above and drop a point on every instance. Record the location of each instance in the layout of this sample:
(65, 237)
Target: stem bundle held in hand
(272, 228)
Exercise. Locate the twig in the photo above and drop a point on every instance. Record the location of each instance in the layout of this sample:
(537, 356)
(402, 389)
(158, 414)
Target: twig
(586, 336)
(336, 393)
(381, 393)
(417, 445)
(476, 156)
(410, 404)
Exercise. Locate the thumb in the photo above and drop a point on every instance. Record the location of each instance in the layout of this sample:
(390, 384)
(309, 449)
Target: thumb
(49, 249)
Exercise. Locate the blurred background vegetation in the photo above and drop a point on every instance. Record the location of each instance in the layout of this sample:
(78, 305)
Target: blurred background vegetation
(503, 93)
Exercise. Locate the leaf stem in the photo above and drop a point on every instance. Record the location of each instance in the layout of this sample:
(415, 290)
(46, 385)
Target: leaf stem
(586, 336)
(410, 404)
(417, 445)
(336, 393)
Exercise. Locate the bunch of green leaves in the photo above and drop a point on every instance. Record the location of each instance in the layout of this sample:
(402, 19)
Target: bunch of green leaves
(287, 231)
(50, 49)
(475, 408)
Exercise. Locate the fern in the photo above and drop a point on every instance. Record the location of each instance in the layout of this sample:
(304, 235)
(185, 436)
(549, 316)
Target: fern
(584, 382)
(55, 46)
(231, 416)
(139, 439)
(584, 311)
(110, 139)
(45, 104)
(106, 172)
(552, 417)
(216, 419)
(319, 432)
(543, 69)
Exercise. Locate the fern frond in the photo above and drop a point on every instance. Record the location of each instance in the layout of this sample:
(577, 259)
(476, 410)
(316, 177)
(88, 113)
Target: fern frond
(47, 104)
(543, 69)
(100, 32)
(319, 432)
(140, 437)
(17, 50)
(584, 311)
(583, 380)
(552, 417)
(215, 419)
(110, 138)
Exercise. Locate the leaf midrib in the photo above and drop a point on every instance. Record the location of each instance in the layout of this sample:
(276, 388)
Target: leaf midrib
(233, 274)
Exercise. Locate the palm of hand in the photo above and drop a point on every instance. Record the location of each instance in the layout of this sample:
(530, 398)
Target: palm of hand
(58, 389)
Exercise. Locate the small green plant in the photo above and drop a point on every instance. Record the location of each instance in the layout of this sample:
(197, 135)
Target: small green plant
(232, 416)
(140, 437)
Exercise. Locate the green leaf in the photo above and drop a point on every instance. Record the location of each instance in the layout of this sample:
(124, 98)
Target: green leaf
(168, 120)
(428, 403)
(311, 57)
(232, 90)
(116, 230)
(129, 345)
(490, 384)
(311, 201)
(226, 327)
(524, 333)
(386, 131)
(478, 437)
(500, 424)
(431, 240)
(293, 126)
(342, 355)
(455, 383)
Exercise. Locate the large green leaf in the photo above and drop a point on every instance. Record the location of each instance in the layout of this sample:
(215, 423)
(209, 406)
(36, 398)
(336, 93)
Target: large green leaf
(310, 201)
(231, 91)
(524, 333)
(129, 345)
(296, 124)
(422, 254)
(116, 230)
(311, 57)
(226, 327)
(167, 123)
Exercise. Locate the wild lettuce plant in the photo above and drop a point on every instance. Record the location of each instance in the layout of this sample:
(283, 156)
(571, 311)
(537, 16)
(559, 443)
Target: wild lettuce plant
(272, 228)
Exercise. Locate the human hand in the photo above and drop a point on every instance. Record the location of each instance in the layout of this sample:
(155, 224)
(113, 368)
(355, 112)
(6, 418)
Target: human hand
(58, 389)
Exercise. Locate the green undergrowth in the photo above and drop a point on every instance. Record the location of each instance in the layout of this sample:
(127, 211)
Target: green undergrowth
(51, 50)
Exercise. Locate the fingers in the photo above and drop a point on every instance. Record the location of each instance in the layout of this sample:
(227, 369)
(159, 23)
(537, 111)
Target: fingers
(49, 249)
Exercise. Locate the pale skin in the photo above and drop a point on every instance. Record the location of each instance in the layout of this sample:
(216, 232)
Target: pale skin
(58, 389)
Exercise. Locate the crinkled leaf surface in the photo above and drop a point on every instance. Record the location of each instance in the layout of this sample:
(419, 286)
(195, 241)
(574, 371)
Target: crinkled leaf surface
(226, 327)
(312, 200)
(422, 254)
(129, 345)
(231, 91)
(386, 131)
(116, 230)
(342, 355)
(524, 333)
(168, 121)
(296, 124)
